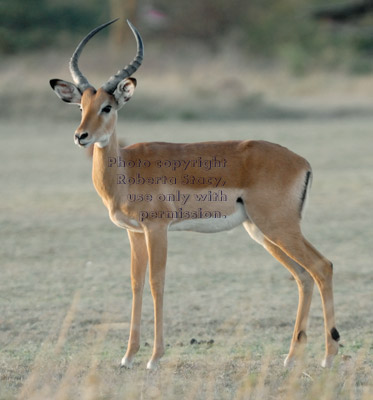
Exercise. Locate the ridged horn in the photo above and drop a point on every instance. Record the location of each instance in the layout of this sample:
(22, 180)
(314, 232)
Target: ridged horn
(79, 79)
(130, 69)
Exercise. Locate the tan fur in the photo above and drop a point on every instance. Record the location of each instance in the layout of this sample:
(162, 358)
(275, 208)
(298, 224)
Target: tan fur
(264, 179)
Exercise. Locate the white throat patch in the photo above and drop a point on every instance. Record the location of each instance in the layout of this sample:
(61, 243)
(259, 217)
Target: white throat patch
(104, 141)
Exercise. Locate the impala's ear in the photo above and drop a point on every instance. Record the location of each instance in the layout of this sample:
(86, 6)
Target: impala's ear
(124, 91)
(66, 91)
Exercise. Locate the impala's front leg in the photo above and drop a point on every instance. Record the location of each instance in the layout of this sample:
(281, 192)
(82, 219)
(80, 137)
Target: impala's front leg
(139, 260)
(156, 240)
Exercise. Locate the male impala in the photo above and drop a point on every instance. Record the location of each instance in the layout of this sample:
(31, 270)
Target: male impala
(152, 188)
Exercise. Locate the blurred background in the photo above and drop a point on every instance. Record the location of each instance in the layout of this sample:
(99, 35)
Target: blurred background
(294, 72)
(203, 59)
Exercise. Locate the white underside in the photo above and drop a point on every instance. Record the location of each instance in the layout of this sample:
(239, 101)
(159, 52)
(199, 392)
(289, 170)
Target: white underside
(211, 225)
(203, 225)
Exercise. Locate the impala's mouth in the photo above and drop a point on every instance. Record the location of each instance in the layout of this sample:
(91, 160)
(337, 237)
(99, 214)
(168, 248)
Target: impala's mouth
(82, 144)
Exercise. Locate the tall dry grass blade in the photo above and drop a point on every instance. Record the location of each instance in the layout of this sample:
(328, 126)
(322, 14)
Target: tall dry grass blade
(292, 383)
(325, 386)
(194, 389)
(209, 384)
(152, 387)
(361, 372)
(64, 391)
(68, 386)
(29, 388)
(261, 389)
(67, 323)
(30, 384)
(254, 385)
(92, 383)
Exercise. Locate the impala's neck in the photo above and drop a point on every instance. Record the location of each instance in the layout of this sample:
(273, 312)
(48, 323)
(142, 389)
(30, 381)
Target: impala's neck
(104, 178)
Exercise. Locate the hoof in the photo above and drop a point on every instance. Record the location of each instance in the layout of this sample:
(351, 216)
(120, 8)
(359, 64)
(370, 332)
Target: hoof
(152, 365)
(327, 362)
(126, 363)
(289, 362)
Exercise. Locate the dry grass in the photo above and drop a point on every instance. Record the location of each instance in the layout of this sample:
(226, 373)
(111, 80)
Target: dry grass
(65, 291)
(65, 294)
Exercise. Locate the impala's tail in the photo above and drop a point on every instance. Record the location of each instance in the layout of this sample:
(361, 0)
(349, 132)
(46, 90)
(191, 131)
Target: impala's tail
(304, 197)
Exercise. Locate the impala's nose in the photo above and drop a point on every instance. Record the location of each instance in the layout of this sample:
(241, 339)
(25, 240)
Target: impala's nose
(79, 137)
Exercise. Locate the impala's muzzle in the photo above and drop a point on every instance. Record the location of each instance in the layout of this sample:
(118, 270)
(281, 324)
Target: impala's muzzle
(81, 139)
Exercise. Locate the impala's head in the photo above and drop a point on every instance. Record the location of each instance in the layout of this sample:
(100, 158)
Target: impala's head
(99, 107)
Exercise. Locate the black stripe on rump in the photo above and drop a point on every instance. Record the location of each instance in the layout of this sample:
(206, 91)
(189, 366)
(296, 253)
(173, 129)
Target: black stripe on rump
(303, 198)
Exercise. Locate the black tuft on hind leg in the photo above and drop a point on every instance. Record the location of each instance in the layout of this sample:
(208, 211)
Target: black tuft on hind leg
(335, 334)
(302, 337)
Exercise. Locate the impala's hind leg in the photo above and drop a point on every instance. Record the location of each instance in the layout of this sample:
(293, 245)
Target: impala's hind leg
(305, 284)
(276, 218)
(300, 250)
(305, 288)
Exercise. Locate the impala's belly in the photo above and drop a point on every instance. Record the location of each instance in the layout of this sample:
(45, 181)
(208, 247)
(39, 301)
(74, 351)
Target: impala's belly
(190, 210)
(211, 222)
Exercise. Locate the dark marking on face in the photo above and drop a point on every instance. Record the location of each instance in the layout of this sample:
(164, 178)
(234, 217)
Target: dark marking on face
(239, 200)
(335, 334)
(302, 337)
(331, 266)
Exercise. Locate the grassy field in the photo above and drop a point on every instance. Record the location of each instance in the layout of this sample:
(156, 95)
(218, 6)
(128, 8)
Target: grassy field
(65, 293)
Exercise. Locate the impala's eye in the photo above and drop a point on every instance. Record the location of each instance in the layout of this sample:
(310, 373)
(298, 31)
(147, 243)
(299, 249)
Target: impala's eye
(106, 109)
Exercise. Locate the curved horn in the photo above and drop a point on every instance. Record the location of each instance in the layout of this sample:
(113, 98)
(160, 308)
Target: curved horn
(79, 79)
(130, 69)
